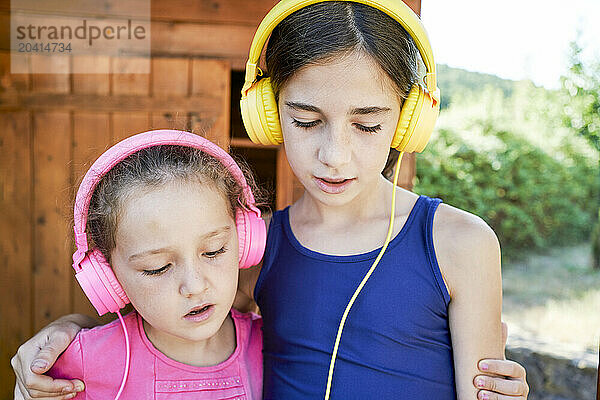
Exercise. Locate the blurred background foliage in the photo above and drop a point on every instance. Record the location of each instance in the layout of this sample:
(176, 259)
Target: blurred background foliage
(524, 158)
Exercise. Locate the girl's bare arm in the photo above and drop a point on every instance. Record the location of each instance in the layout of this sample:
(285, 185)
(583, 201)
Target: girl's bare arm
(468, 254)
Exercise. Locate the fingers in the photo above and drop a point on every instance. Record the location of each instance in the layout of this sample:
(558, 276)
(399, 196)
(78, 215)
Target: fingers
(44, 387)
(483, 395)
(506, 368)
(511, 385)
(501, 388)
(21, 393)
(57, 342)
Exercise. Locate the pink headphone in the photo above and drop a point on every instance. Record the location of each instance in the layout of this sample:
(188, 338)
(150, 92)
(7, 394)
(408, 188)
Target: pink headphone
(93, 272)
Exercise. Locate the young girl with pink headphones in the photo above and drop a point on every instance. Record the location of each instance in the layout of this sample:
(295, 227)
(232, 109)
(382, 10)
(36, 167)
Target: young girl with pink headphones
(366, 290)
(171, 219)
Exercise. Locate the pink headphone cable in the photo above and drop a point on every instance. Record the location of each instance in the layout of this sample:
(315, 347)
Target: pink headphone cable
(128, 356)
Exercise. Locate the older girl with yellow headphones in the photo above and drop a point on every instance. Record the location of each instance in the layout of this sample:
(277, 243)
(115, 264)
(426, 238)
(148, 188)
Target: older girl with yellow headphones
(366, 290)
(350, 311)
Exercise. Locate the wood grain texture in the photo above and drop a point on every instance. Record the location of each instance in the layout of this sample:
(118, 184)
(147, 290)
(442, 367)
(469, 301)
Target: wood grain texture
(92, 102)
(212, 78)
(242, 12)
(50, 83)
(52, 193)
(125, 124)
(9, 82)
(96, 80)
(15, 241)
(126, 79)
(205, 40)
(91, 137)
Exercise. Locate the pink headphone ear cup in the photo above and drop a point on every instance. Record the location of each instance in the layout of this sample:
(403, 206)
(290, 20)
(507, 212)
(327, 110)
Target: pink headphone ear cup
(100, 284)
(252, 237)
(242, 232)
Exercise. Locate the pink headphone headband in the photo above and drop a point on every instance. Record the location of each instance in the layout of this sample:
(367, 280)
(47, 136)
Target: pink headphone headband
(131, 145)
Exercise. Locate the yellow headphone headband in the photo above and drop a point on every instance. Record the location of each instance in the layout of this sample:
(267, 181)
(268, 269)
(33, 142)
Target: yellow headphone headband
(396, 9)
(419, 109)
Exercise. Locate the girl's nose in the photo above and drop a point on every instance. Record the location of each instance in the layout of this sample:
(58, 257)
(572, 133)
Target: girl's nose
(193, 281)
(334, 150)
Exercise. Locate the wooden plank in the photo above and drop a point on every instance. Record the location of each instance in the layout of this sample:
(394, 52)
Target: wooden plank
(128, 124)
(103, 8)
(224, 11)
(96, 80)
(212, 77)
(213, 11)
(91, 137)
(5, 30)
(50, 83)
(415, 5)
(170, 77)
(289, 189)
(179, 120)
(206, 40)
(15, 241)
(247, 143)
(87, 102)
(10, 82)
(52, 194)
(126, 76)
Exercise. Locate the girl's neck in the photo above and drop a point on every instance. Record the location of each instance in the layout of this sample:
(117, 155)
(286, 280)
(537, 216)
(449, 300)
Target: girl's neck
(346, 231)
(204, 353)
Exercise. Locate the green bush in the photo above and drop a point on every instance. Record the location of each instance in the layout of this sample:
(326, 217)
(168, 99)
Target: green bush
(532, 199)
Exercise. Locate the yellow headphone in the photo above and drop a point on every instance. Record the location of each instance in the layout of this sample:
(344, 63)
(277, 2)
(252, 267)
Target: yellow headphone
(419, 111)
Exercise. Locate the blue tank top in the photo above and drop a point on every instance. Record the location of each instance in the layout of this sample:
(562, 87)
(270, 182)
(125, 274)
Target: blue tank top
(396, 342)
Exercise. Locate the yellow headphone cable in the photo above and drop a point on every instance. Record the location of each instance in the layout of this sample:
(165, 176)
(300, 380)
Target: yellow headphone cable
(364, 281)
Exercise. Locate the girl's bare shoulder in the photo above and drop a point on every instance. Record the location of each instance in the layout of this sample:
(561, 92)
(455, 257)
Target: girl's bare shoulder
(463, 243)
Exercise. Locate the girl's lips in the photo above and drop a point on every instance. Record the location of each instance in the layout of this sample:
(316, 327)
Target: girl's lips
(200, 313)
(333, 186)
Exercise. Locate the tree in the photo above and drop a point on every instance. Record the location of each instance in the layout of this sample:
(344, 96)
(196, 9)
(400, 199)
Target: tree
(581, 86)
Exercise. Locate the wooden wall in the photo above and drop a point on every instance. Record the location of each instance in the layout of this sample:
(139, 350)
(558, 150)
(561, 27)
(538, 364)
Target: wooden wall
(53, 125)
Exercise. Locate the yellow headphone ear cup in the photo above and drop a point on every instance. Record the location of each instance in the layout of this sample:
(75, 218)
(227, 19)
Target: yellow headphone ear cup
(260, 115)
(416, 122)
(269, 114)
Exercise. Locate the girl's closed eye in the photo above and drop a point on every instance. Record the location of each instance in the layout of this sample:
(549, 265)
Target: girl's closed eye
(214, 254)
(157, 271)
(311, 124)
(368, 129)
(306, 125)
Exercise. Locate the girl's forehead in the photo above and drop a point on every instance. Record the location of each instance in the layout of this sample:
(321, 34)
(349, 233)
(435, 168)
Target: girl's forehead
(351, 77)
(172, 214)
(179, 197)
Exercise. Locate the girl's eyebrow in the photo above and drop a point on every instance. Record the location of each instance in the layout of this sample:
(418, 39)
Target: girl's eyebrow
(302, 106)
(206, 236)
(371, 110)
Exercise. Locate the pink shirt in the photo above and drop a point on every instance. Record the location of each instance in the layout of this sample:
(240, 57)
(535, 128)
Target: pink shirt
(97, 357)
